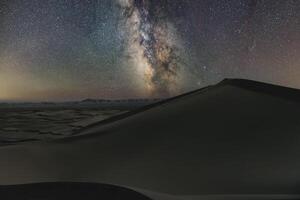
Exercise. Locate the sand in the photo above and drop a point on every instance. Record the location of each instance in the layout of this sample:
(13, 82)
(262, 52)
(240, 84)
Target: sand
(23, 125)
(236, 138)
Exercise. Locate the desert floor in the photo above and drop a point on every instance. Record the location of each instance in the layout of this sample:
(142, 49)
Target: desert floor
(21, 125)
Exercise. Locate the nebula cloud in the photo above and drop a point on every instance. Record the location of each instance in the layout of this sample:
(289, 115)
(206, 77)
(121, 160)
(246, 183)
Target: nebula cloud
(152, 45)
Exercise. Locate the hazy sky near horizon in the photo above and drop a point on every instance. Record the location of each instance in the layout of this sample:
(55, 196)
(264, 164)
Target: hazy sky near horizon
(56, 50)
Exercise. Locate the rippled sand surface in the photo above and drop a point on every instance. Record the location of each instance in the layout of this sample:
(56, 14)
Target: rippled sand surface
(21, 125)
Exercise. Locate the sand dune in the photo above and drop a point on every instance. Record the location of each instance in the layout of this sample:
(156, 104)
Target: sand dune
(65, 191)
(238, 137)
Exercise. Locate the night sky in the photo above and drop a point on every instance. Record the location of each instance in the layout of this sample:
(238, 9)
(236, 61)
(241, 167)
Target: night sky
(59, 50)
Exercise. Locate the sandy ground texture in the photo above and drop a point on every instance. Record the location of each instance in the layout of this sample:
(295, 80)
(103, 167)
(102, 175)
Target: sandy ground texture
(237, 138)
(23, 125)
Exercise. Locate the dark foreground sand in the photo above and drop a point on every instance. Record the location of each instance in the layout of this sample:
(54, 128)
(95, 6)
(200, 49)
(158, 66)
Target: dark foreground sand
(65, 191)
(236, 138)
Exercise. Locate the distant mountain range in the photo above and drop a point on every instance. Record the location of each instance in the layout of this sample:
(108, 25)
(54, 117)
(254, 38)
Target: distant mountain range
(118, 100)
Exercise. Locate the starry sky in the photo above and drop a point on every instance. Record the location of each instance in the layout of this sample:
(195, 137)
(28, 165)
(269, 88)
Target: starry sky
(61, 50)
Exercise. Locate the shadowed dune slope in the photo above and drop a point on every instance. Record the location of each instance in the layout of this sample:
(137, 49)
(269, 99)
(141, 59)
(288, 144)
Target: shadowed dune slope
(237, 137)
(64, 191)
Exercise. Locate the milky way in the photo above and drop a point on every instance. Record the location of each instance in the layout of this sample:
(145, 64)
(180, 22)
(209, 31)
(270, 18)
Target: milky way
(152, 45)
(60, 50)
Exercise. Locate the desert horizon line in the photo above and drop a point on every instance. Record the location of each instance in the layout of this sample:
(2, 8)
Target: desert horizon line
(82, 100)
